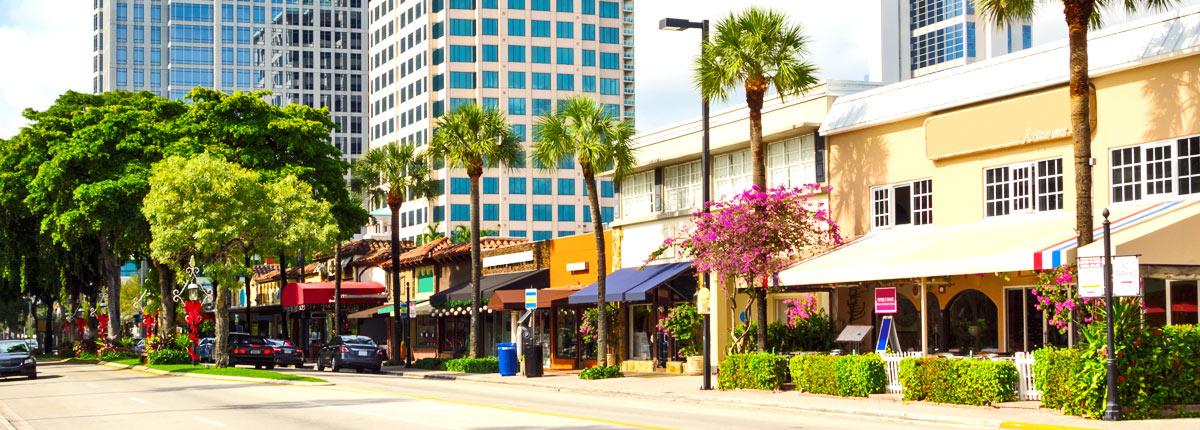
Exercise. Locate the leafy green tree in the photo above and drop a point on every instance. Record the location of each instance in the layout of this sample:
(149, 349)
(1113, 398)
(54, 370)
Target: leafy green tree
(1080, 15)
(582, 129)
(758, 49)
(468, 138)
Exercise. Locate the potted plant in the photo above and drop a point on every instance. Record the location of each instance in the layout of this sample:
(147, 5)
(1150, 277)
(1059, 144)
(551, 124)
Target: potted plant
(589, 329)
(683, 323)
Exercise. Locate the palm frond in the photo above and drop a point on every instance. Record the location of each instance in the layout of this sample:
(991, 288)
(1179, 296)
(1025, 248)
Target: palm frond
(755, 43)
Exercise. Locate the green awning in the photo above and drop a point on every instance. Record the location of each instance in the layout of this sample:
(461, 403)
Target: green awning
(390, 308)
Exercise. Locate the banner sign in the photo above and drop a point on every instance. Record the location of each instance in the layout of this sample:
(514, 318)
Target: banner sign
(1126, 276)
(885, 300)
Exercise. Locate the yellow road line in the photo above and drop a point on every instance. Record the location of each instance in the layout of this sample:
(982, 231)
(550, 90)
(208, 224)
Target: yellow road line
(1033, 426)
(363, 390)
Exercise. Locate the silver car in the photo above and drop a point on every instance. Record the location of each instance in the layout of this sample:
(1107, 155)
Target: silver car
(16, 359)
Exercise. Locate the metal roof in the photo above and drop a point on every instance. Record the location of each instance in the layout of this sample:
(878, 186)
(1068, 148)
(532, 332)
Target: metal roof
(1153, 39)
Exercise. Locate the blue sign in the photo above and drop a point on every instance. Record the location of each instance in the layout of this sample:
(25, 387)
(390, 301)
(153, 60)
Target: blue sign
(530, 299)
(885, 332)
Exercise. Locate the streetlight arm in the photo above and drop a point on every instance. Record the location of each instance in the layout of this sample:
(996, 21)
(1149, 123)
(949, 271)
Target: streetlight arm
(678, 24)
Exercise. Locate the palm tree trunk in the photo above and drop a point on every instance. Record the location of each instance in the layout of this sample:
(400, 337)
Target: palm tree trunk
(589, 182)
(755, 90)
(109, 258)
(221, 347)
(476, 271)
(166, 286)
(337, 289)
(394, 200)
(1077, 15)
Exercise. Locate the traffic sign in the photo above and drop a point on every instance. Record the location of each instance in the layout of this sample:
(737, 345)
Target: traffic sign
(530, 298)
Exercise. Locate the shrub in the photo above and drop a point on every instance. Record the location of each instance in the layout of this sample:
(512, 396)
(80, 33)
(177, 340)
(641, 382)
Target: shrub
(168, 356)
(850, 375)
(86, 348)
(601, 372)
(66, 349)
(760, 371)
(181, 343)
(431, 364)
(126, 342)
(474, 365)
(958, 381)
(111, 355)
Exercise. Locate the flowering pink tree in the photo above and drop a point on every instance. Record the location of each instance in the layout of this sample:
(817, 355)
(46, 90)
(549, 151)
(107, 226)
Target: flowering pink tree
(1058, 295)
(753, 235)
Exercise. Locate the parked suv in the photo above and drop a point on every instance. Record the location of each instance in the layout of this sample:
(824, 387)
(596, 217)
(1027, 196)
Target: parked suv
(356, 352)
(251, 350)
(286, 354)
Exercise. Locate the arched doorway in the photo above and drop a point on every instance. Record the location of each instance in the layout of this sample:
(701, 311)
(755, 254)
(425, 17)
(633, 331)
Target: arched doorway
(908, 323)
(969, 323)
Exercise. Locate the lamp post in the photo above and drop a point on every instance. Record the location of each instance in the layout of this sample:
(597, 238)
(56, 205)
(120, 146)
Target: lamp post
(678, 24)
(1112, 408)
(192, 305)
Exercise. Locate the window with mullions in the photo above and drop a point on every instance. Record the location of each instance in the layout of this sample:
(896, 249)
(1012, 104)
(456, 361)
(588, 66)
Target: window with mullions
(491, 185)
(566, 82)
(462, 27)
(516, 106)
(610, 35)
(516, 212)
(460, 212)
(540, 81)
(462, 54)
(516, 80)
(588, 83)
(491, 212)
(460, 186)
(516, 185)
(906, 203)
(540, 54)
(731, 174)
(565, 30)
(542, 5)
(792, 162)
(1156, 170)
(565, 6)
(565, 56)
(490, 79)
(539, 28)
(516, 4)
(566, 213)
(609, 9)
(610, 60)
(637, 195)
(490, 27)
(516, 54)
(541, 186)
(1025, 187)
(541, 106)
(587, 7)
(462, 4)
(462, 80)
(681, 186)
(587, 31)
(516, 27)
(566, 187)
(543, 213)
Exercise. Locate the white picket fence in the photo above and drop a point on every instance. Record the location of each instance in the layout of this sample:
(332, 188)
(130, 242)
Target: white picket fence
(1023, 361)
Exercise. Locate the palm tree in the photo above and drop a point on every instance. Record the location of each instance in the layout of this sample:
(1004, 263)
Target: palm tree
(1080, 15)
(582, 129)
(466, 138)
(390, 173)
(759, 49)
(431, 233)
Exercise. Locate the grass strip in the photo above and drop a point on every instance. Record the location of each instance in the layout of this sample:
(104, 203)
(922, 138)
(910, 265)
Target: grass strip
(232, 371)
(130, 362)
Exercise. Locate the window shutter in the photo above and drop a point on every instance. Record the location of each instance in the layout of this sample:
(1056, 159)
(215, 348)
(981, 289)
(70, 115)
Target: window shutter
(819, 147)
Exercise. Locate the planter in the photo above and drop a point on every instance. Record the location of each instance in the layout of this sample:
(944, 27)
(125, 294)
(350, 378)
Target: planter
(612, 359)
(695, 364)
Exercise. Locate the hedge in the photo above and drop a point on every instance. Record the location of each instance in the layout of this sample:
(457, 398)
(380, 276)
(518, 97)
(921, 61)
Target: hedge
(114, 355)
(430, 364)
(474, 365)
(168, 356)
(601, 372)
(760, 371)
(847, 376)
(958, 381)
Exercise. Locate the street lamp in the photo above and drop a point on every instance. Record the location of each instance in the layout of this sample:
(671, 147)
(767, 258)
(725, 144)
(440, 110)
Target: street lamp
(678, 24)
(192, 305)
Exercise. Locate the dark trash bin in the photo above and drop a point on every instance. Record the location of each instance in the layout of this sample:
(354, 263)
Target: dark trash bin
(533, 360)
(509, 365)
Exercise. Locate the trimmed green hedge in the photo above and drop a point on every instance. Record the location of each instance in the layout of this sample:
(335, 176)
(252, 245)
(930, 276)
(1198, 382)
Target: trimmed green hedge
(474, 365)
(958, 381)
(847, 376)
(601, 372)
(430, 364)
(760, 371)
(113, 355)
(168, 356)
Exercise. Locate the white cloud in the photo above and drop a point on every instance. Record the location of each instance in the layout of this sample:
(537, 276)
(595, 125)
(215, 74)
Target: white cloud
(46, 49)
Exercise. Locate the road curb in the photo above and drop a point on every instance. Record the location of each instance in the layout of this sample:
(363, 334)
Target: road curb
(145, 369)
(899, 416)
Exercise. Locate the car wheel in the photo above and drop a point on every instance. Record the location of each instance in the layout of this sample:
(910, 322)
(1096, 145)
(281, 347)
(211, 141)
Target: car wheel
(379, 370)
(336, 367)
(258, 366)
(320, 366)
(33, 375)
(358, 370)
(299, 365)
(270, 367)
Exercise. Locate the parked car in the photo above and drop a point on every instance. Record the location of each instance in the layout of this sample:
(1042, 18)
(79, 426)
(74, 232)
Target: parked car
(140, 346)
(355, 352)
(204, 349)
(286, 354)
(33, 345)
(16, 358)
(251, 350)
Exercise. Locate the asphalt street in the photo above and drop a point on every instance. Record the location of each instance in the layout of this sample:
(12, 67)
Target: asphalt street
(75, 396)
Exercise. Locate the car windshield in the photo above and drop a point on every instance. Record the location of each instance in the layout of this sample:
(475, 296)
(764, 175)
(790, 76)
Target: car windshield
(13, 347)
(358, 340)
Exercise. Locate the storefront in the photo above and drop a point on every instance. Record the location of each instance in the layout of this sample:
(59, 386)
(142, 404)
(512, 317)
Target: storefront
(452, 310)
(310, 308)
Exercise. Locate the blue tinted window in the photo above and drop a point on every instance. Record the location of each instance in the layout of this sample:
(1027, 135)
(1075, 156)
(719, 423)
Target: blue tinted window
(610, 35)
(460, 186)
(516, 27)
(516, 185)
(186, 12)
(465, 80)
(456, 102)
(491, 212)
(488, 4)
(540, 81)
(587, 7)
(609, 9)
(460, 212)
(566, 82)
(516, 54)
(538, 28)
(606, 189)
(539, 5)
(565, 6)
(122, 33)
(516, 106)
(588, 58)
(490, 80)
(541, 186)
(564, 233)
(439, 213)
(491, 27)
(122, 55)
(518, 130)
(516, 212)
(606, 214)
(612, 110)
(567, 162)
(609, 86)
(609, 60)
(490, 54)
(541, 106)
(516, 4)
(462, 4)
(566, 187)
(516, 79)
(189, 55)
(462, 54)
(540, 54)
(542, 235)
(519, 161)
(587, 214)
(588, 83)
(565, 56)
(490, 102)
(543, 213)
(587, 31)
(462, 27)
(565, 30)
(491, 185)
(122, 12)
(516, 233)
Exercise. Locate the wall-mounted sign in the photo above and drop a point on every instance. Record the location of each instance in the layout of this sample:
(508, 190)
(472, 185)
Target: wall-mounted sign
(1127, 280)
(1031, 119)
(577, 267)
(885, 300)
(506, 259)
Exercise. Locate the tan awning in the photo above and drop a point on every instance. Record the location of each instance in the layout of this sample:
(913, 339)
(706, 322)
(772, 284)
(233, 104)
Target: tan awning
(368, 313)
(514, 300)
(1163, 236)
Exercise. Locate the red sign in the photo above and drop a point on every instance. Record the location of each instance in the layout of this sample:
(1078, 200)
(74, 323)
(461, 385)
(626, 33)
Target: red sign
(885, 300)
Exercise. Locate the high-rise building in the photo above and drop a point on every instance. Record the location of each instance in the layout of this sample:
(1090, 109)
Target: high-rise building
(308, 52)
(519, 56)
(918, 37)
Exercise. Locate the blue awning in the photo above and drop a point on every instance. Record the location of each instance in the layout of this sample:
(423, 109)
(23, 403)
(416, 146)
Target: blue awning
(630, 284)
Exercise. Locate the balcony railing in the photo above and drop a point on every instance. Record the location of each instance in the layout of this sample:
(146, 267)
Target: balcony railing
(629, 79)
(628, 67)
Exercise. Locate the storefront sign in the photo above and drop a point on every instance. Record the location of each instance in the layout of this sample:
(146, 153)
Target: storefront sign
(1031, 119)
(885, 300)
(506, 259)
(1126, 276)
(530, 298)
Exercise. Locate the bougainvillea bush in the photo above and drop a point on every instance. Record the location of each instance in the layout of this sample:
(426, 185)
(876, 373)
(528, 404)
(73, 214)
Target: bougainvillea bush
(682, 323)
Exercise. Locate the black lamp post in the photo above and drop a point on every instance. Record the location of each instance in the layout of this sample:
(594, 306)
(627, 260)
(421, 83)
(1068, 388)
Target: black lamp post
(1112, 407)
(678, 24)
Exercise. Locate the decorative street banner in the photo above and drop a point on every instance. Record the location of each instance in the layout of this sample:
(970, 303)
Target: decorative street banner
(885, 300)
(1126, 277)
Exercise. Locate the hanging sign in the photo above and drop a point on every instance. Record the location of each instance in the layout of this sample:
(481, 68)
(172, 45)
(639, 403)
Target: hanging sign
(530, 298)
(885, 300)
(1126, 276)
(403, 310)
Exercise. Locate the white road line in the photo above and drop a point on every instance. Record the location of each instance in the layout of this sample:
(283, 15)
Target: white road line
(390, 417)
(210, 422)
(139, 400)
(93, 385)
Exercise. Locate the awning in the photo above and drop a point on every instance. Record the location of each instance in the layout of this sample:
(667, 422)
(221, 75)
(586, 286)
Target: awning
(369, 313)
(630, 284)
(321, 293)
(383, 211)
(514, 300)
(1002, 244)
(1157, 234)
(489, 284)
(422, 308)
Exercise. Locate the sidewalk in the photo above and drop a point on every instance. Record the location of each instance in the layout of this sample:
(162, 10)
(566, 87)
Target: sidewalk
(687, 389)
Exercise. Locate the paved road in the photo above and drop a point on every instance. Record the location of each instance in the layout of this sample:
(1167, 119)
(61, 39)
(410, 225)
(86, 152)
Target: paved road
(73, 396)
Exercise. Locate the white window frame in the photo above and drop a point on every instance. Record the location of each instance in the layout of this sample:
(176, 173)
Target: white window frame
(792, 162)
(732, 173)
(681, 186)
(920, 205)
(637, 195)
(1024, 188)
(1159, 170)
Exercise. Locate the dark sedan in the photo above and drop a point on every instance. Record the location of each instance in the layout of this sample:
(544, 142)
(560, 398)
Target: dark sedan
(251, 350)
(354, 352)
(286, 354)
(16, 359)
(204, 349)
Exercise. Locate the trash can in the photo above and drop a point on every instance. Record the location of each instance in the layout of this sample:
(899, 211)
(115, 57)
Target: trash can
(533, 360)
(508, 358)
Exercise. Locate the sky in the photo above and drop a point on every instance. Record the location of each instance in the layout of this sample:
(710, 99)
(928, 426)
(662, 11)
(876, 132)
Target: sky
(46, 49)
